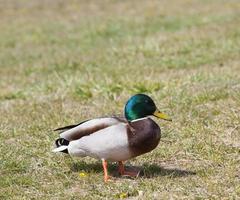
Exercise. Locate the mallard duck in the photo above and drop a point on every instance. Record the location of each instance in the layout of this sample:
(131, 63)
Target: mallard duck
(115, 139)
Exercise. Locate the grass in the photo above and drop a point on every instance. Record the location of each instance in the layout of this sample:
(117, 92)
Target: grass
(63, 62)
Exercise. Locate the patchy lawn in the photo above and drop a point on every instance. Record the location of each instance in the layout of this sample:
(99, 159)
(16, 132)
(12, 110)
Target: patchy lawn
(65, 61)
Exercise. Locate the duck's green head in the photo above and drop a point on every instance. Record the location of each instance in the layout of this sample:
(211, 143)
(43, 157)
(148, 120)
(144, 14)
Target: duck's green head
(141, 105)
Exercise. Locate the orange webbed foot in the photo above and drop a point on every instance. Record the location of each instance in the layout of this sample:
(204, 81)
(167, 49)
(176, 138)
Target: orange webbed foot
(123, 172)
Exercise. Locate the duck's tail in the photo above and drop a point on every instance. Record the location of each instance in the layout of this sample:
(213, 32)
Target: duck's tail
(62, 145)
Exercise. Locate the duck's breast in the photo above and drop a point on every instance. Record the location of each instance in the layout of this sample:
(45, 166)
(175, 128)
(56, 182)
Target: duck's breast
(143, 136)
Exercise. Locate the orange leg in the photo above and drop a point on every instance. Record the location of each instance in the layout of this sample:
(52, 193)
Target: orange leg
(120, 168)
(122, 171)
(104, 163)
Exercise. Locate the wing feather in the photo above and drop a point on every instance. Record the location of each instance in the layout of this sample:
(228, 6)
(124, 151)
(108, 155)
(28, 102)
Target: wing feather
(62, 129)
(88, 127)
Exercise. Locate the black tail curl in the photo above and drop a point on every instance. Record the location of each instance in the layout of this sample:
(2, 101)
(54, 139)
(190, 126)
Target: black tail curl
(60, 142)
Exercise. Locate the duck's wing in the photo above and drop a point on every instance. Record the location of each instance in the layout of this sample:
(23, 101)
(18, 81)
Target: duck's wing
(64, 128)
(74, 132)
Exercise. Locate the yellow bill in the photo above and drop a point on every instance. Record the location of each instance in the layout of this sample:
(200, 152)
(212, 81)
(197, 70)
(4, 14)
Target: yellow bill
(161, 115)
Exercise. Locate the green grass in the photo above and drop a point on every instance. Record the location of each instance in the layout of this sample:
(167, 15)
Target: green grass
(63, 62)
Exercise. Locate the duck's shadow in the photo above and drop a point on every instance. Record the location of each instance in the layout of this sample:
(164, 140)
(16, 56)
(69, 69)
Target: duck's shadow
(147, 170)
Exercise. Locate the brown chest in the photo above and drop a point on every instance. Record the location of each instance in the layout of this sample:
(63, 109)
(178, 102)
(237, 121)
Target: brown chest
(143, 136)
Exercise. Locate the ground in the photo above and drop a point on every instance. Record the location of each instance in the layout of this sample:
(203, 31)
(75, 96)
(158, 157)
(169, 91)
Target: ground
(62, 62)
